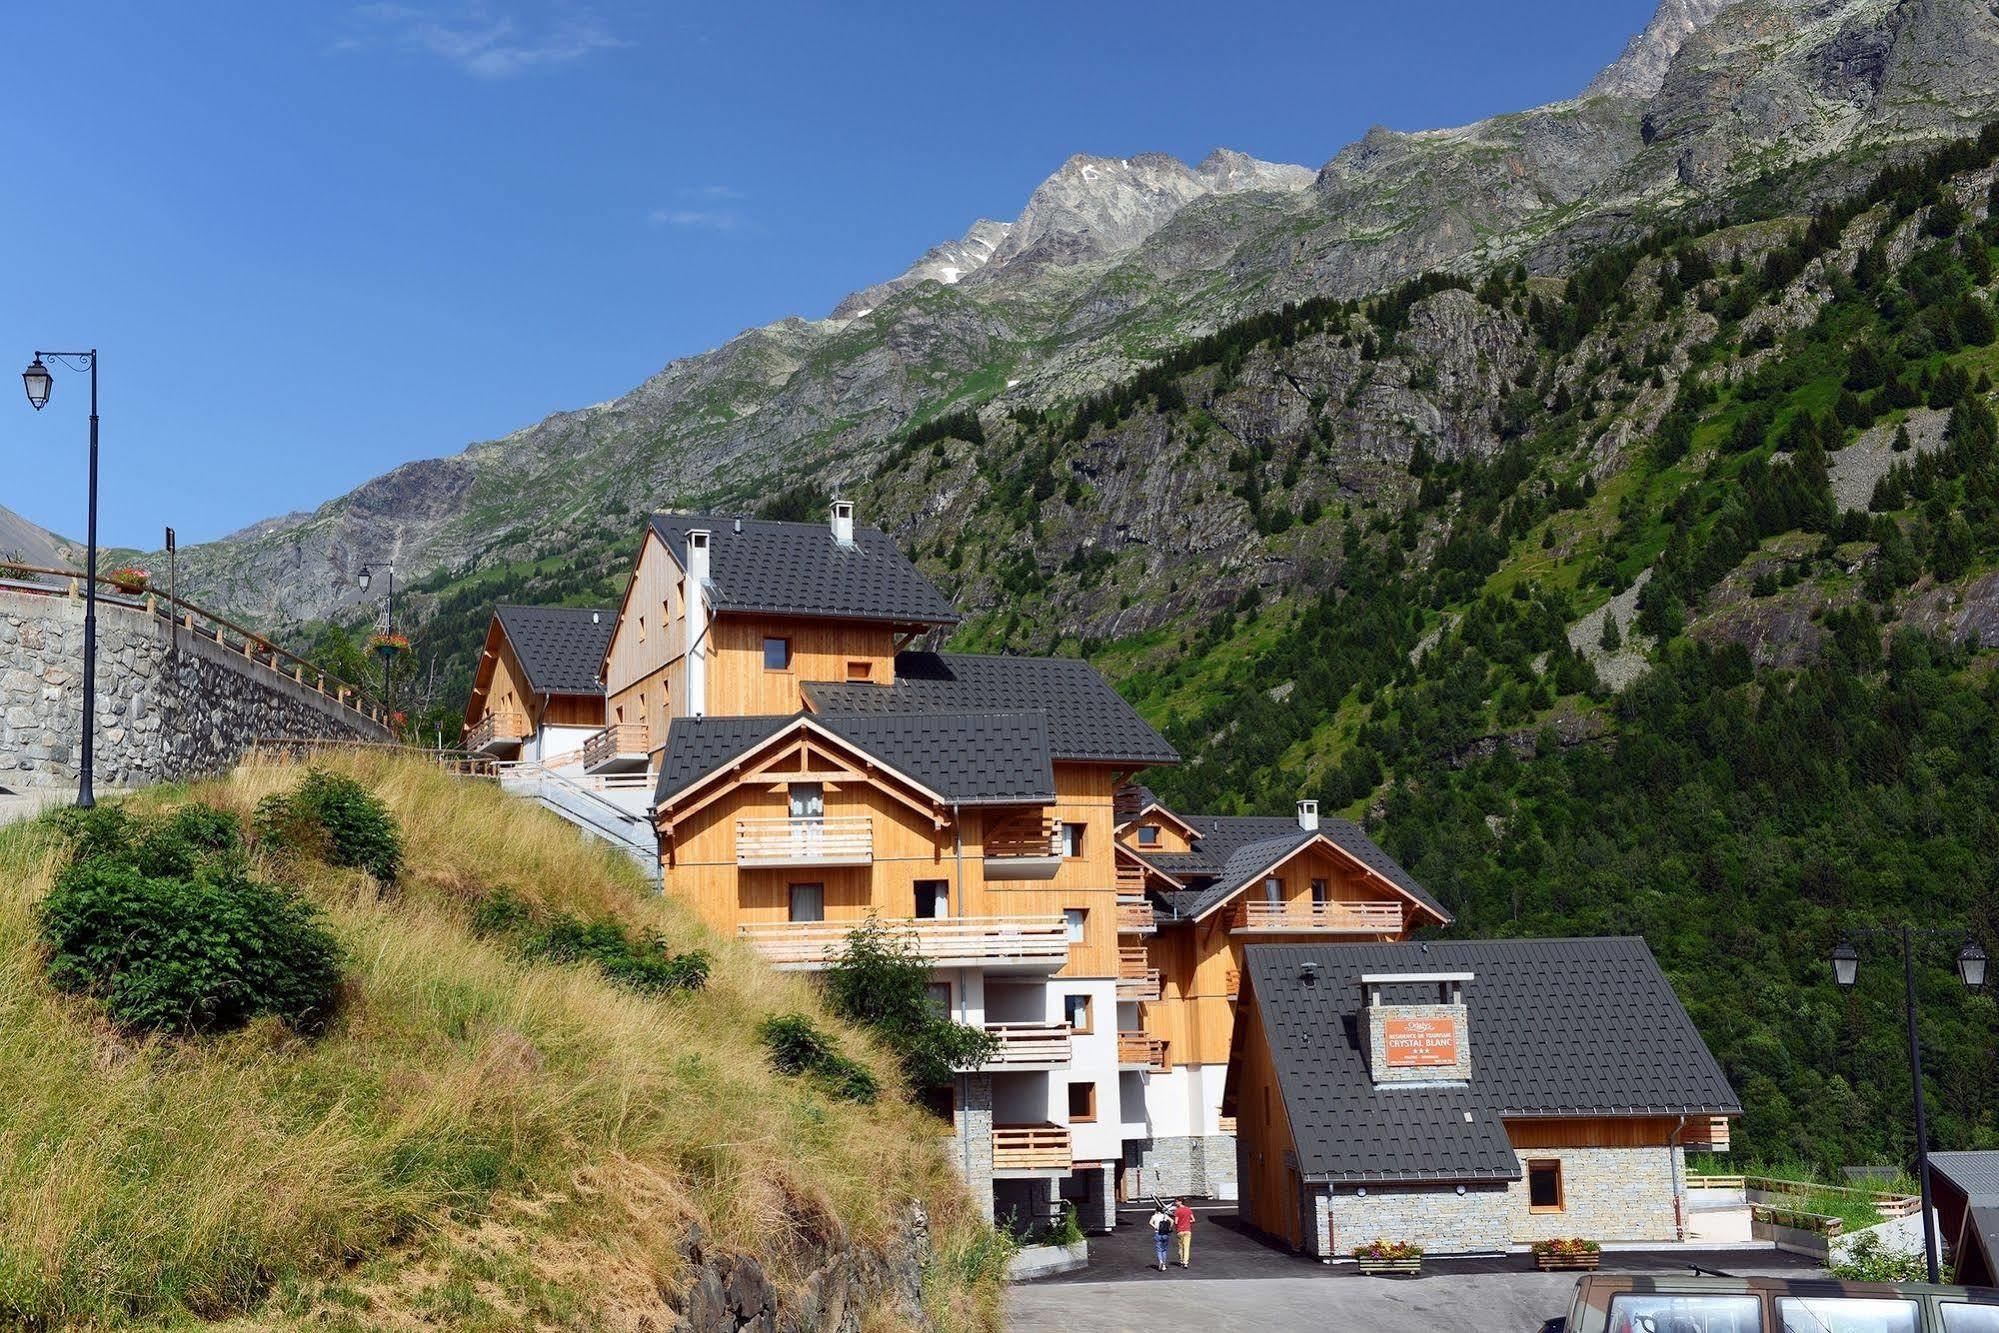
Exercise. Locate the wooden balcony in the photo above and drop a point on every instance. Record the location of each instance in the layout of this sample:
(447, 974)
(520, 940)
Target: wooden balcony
(1031, 1150)
(620, 746)
(846, 841)
(1025, 1047)
(1023, 847)
(1225, 1124)
(1141, 1050)
(994, 943)
(496, 732)
(1130, 880)
(1135, 979)
(1134, 916)
(1318, 919)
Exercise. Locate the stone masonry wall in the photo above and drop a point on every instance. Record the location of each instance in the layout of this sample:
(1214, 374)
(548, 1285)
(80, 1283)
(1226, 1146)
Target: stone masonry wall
(1436, 1217)
(971, 1146)
(1203, 1166)
(168, 707)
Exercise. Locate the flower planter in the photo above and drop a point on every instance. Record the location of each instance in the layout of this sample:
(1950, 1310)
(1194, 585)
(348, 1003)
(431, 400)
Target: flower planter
(1380, 1267)
(1562, 1263)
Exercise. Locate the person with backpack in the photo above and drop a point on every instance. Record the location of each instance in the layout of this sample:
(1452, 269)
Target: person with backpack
(1161, 1223)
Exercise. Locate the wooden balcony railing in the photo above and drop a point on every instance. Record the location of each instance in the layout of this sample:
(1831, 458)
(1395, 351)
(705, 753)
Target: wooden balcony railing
(1030, 1045)
(1021, 943)
(496, 729)
(1135, 979)
(1134, 916)
(1329, 918)
(1024, 835)
(1031, 1148)
(1232, 983)
(621, 741)
(1142, 1050)
(1226, 1124)
(1130, 880)
(844, 841)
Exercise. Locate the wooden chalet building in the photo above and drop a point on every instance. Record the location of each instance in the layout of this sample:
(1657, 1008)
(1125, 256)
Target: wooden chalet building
(536, 694)
(1471, 1096)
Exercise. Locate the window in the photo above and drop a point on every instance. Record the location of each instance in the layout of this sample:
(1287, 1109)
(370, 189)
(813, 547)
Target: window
(1148, 835)
(1082, 1103)
(1846, 1314)
(1544, 1186)
(777, 654)
(1321, 894)
(933, 898)
(807, 800)
(1958, 1318)
(808, 902)
(1072, 840)
(1273, 890)
(940, 995)
(1075, 918)
(860, 671)
(1631, 1312)
(1077, 1013)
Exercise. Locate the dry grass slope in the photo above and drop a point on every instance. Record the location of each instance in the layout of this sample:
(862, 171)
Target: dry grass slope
(477, 1142)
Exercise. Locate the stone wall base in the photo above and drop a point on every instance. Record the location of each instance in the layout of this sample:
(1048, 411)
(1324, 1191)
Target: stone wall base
(1203, 1166)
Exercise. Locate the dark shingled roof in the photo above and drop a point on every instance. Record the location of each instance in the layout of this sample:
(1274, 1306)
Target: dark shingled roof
(970, 758)
(797, 569)
(1557, 1027)
(1234, 849)
(1975, 1173)
(560, 647)
(1087, 719)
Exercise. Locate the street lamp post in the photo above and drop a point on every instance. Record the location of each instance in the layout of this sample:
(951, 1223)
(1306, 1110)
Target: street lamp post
(40, 383)
(1971, 964)
(364, 578)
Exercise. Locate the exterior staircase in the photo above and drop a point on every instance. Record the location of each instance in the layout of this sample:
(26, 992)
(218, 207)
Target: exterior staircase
(615, 808)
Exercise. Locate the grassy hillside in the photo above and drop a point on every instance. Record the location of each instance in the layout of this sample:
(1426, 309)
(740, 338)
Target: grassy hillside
(477, 1139)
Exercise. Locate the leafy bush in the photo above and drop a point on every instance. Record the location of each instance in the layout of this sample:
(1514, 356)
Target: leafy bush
(797, 1046)
(1869, 1260)
(1388, 1249)
(643, 964)
(882, 983)
(1569, 1246)
(337, 820)
(187, 953)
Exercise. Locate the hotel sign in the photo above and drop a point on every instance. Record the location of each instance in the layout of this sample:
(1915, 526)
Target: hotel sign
(1415, 1043)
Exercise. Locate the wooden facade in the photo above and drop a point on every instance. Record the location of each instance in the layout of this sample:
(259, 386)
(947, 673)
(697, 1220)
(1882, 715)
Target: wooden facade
(644, 679)
(1268, 1177)
(500, 686)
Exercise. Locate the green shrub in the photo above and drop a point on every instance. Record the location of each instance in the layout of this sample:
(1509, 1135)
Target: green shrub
(195, 953)
(883, 984)
(797, 1047)
(644, 964)
(175, 844)
(337, 820)
(1868, 1260)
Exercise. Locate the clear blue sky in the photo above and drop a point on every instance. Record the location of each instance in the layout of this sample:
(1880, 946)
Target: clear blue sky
(313, 242)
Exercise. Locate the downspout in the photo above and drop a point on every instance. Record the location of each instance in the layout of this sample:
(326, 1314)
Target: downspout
(1679, 1189)
(958, 909)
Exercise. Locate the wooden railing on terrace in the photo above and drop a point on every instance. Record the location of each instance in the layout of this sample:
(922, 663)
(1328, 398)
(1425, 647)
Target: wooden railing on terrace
(1030, 1044)
(957, 941)
(1333, 918)
(202, 623)
(1142, 1049)
(496, 727)
(847, 840)
(1134, 916)
(1023, 836)
(1136, 980)
(620, 738)
(1130, 880)
(1031, 1148)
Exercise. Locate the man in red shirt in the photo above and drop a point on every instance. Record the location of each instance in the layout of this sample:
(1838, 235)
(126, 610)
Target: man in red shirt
(1183, 1230)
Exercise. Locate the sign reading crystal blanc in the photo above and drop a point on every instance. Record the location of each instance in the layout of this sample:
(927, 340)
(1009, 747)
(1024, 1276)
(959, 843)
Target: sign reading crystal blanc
(1419, 1042)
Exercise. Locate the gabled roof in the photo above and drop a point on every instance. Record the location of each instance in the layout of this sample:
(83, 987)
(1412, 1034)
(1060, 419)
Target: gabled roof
(797, 569)
(1974, 1173)
(1088, 721)
(560, 648)
(1235, 850)
(1565, 1027)
(963, 758)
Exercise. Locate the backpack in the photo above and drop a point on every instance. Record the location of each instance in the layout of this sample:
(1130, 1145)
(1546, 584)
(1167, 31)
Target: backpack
(1164, 1226)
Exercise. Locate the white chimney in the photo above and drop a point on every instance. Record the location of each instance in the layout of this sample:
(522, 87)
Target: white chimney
(596, 617)
(696, 620)
(1308, 815)
(843, 522)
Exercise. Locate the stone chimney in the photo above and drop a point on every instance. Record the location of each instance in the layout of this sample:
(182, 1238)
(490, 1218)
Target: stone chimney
(1308, 816)
(843, 522)
(696, 622)
(1425, 1041)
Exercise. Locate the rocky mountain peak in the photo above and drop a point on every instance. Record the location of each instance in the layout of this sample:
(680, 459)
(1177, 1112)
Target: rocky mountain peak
(1641, 70)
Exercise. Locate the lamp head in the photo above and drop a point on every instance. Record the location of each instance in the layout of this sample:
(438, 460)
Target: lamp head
(1971, 963)
(364, 578)
(37, 380)
(1846, 964)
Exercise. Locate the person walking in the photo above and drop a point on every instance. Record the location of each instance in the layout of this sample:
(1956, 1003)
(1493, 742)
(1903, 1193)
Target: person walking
(1161, 1223)
(1183, 1230)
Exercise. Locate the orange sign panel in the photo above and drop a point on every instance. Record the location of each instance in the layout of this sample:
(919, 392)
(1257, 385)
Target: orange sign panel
(1418, 1042)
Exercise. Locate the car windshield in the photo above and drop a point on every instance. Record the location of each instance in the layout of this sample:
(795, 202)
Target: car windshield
(1645, 1313)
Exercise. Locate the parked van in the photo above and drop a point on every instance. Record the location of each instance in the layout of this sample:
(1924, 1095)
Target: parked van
(1660, 1303)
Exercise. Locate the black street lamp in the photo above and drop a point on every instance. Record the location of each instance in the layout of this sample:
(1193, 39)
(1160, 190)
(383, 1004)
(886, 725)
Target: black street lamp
(39, 384)
(1971, 962)
(364, 578)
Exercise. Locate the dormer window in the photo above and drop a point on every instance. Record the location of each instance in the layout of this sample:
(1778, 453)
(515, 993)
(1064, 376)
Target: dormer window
(860, 672)
(1148, 835)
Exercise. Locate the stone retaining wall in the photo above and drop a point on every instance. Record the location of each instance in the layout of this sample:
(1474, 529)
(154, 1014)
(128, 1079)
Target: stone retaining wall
(170, 704)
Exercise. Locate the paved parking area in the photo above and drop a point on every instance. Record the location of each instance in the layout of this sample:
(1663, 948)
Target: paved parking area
(1238, 1282)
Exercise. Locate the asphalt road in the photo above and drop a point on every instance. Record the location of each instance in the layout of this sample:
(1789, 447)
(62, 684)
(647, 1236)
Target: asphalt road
(1239, 1283)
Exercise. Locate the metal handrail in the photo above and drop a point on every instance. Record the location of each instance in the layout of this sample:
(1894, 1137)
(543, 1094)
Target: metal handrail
(148, 598)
